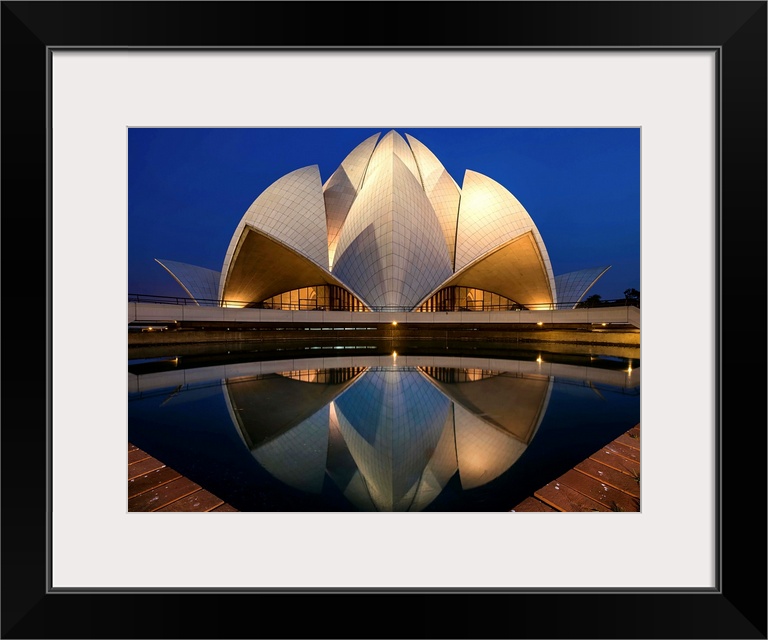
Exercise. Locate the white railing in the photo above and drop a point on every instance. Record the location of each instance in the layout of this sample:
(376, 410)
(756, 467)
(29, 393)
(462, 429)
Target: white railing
(146, 312)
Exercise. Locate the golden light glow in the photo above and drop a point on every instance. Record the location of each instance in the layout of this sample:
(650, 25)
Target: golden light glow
(394, 356)
(539, 360)
(540, 323)
(475, 238)
(394, 323)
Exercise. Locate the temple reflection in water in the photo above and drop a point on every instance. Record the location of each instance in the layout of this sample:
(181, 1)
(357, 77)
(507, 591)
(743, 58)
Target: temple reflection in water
(390, 435)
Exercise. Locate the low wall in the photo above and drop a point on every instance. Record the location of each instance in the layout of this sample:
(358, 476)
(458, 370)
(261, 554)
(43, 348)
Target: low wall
(580, 336)
(149, 312)
(207, 325)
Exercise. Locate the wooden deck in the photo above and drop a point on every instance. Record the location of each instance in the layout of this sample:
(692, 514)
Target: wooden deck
(152, 486)
(609, 480)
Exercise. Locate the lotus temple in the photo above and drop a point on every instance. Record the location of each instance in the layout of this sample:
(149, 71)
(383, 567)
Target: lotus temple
(389, 230)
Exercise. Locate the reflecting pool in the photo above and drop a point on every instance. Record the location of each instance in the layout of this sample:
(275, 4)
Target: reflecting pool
(379, 431)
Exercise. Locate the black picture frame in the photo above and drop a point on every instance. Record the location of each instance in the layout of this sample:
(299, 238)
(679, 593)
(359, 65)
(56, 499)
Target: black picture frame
(736, 608)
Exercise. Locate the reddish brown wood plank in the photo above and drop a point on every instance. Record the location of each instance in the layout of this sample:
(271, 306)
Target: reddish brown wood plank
(610, 476)
(530, 505)
(563, 498)
(196, 502)
(615, 461)
(148, 491)
(164, 494)
(151, 480)
(225, 507)
(136, 456)
(144, 466)
(623, 450)
(608, 480)
(610, 497)
(628, 441)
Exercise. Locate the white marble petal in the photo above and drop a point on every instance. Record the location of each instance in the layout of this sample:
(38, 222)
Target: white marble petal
(391, 250)
(441, 189)
(573, 286)
(200, 283)
(340, 190)
(292, 211)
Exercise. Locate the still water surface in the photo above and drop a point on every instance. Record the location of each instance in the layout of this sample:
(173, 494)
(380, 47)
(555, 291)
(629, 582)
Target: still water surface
(374, 431)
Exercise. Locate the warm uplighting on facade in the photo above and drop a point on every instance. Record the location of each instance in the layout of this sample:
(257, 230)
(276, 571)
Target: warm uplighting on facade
(540, 323)
(308, 242)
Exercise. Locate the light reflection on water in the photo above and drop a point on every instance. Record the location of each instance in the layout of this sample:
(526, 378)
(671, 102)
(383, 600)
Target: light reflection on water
(380, 433)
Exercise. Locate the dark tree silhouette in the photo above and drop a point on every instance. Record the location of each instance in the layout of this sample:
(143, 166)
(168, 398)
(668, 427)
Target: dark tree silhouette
(592, 301)
(632, 296)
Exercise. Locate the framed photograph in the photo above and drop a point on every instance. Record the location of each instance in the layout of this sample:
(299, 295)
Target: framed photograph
(690, 78)
(462, 386)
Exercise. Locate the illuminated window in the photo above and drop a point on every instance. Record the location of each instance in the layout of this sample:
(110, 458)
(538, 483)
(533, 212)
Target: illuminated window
(467, 299)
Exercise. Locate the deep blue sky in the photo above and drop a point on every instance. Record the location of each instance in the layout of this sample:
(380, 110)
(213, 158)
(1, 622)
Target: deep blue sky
(189, 188)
